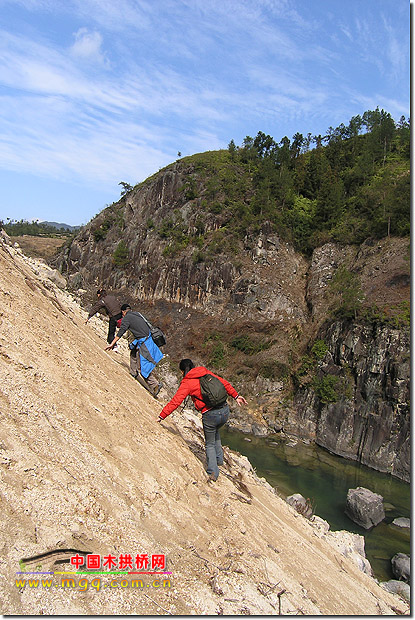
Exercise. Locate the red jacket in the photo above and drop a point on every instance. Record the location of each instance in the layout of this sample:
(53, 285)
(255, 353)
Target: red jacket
(190, 386)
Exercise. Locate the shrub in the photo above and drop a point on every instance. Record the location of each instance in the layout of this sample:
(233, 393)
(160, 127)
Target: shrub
(319, 349)
(397, 316)
(326, 388)
(348, 295)
(217, 356)
(198, 257)
(273, 369)
(307, 364)
(120, 256)
(403, 316)
(166, 227)
(216, 350)
(249, 346)
(190, 189)
(175, 246)
(101, 232)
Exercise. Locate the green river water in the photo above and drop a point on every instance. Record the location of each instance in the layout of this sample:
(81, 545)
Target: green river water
(325, 479)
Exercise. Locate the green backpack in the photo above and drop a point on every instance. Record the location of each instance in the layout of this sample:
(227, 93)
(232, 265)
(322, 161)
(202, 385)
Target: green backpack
(213, 391)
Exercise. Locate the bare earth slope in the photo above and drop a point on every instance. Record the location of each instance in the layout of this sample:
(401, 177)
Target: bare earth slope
(85, 465)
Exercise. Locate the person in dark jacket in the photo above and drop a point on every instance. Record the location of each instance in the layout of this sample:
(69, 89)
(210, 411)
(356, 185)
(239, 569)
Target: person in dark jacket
(144, 353)
(110, 304)
(213, 418)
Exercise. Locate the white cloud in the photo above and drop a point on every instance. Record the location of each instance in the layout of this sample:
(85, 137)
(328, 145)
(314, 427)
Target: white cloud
(144, 79)
(87, 46)
(100, 151)
(396, 52)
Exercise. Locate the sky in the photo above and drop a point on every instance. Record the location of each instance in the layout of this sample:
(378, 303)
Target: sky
(98, 92)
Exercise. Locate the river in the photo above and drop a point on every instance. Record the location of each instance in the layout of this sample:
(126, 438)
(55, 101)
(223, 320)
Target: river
(294, 467)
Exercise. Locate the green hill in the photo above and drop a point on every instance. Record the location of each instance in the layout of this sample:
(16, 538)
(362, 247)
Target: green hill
(354, 184)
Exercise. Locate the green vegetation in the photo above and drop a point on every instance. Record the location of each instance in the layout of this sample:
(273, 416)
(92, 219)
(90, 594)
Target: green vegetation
(345, 186)
(319, 349)
(331, 388)
(190, 188)
(175, 231)
(310, 362)
(397, 316)
(402, 314)
(354, 184)
(101, 231)
(223, 349)
(216, 350)
(326, 388)
(274, 369)
(120, 258)
(16, 228)
(347, 302)
(249, 345)
(347, 294)
(126, 187)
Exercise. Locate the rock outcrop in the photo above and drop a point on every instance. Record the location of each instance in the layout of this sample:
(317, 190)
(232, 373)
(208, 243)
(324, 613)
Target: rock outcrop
(301, 504)
(370, 420)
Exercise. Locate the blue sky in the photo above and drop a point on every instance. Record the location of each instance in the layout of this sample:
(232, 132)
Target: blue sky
(94, 92)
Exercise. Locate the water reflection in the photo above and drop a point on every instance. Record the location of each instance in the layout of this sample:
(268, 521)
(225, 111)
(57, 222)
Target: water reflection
(294, 467)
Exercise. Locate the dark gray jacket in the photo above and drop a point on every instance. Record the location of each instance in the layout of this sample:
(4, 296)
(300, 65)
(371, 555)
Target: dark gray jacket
(135, 323)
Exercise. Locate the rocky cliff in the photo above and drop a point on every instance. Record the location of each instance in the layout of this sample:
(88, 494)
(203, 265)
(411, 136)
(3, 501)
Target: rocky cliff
(254, 308)
(357, 401)
(369, 420)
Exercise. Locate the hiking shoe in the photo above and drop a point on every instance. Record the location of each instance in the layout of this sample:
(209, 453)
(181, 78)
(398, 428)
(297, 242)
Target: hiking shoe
(157, 390)
(212, 478)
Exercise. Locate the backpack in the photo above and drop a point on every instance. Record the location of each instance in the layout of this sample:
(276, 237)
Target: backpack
(157, 335)
(213, 391)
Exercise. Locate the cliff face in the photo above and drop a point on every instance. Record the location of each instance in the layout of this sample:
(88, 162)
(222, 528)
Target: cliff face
(370, 421)
(255, 277)
(365, 370)
(253, 308)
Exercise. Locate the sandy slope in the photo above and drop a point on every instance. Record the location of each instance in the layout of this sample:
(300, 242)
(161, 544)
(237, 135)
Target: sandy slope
(85, 465)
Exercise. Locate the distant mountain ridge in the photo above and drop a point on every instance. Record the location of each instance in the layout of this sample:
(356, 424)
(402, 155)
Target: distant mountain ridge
(59, 225)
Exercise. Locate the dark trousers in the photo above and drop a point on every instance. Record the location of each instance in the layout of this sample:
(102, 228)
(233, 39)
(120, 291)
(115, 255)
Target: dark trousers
(212, 421)
(113, 326)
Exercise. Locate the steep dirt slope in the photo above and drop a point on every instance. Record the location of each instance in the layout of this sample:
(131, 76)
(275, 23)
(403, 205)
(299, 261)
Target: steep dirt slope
(85, 465)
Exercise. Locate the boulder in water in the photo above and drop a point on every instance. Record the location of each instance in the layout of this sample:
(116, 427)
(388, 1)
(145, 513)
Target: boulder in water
(402, 522)
(401, 566)
(364, 507)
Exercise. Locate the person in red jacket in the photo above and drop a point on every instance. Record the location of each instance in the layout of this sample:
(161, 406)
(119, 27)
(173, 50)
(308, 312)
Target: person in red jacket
(212, 417)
